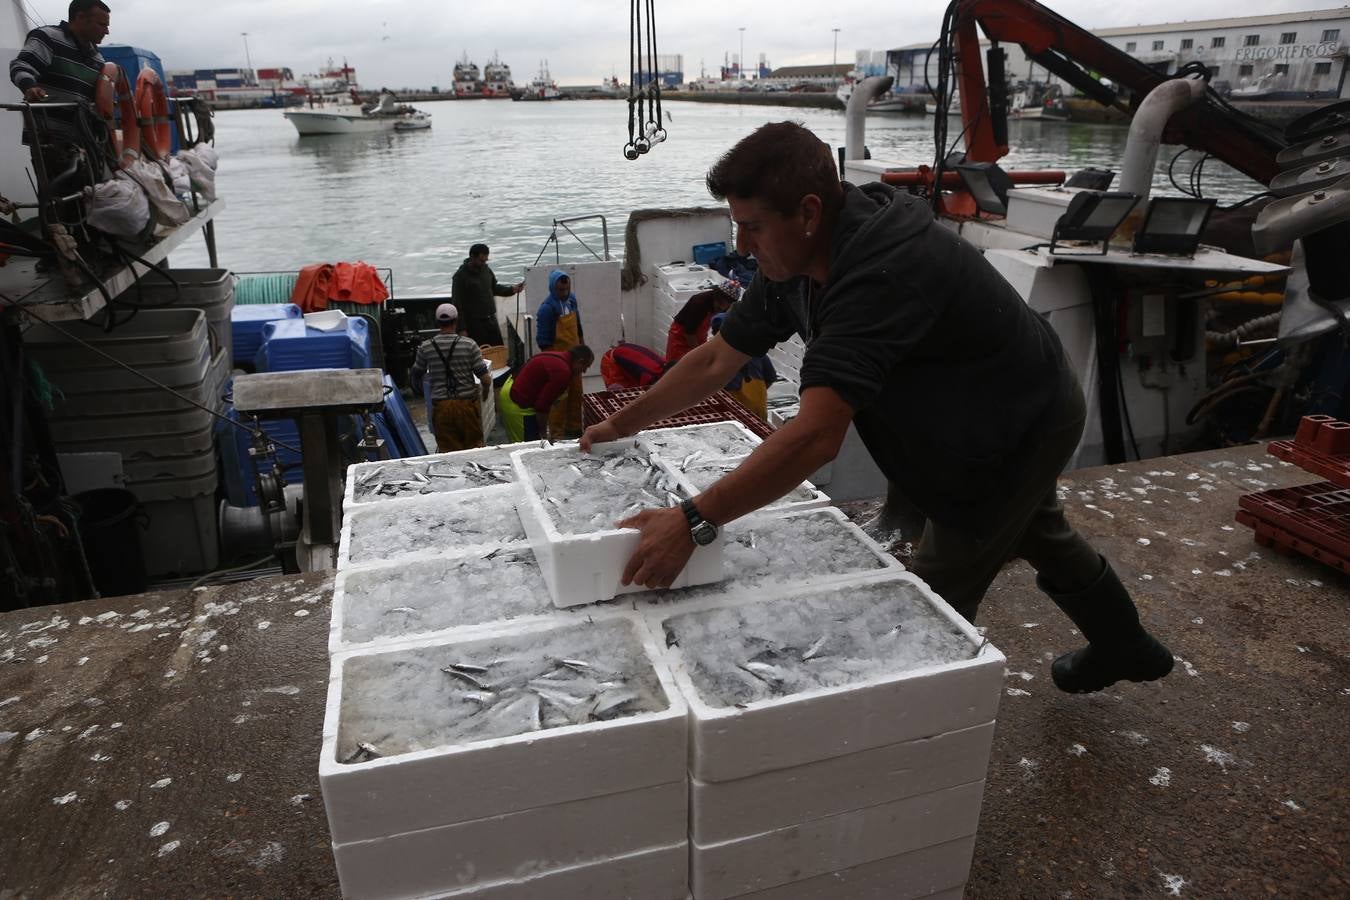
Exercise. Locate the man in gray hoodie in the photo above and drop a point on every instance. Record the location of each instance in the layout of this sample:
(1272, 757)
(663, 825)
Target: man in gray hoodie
(960, 392)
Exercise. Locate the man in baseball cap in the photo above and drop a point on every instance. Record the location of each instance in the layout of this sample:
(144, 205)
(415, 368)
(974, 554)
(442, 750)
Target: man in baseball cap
(453, 376)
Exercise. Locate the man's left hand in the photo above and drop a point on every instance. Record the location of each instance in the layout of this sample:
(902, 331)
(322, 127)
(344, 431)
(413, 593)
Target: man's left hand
(520, 286)
(663, 550)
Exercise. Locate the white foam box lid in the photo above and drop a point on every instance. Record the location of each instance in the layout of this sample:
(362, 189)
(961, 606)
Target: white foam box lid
(546, 840)
(444, 785)
(410, 514)
(499, 454)
(806, 851)
(361, 590)
(586, 568)
(730, 742)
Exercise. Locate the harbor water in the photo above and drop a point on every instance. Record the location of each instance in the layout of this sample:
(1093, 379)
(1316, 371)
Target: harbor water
(499, 173)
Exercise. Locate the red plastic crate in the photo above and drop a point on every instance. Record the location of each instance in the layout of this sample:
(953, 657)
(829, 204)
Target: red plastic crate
(1321, 446)
(720, 407)
(1312, 519)
(1281, 541)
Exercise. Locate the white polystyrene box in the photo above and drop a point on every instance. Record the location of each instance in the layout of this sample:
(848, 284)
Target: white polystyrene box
(717, 440)
(705, 473)
(358, 494)
(505, 848)
(586, 568)
(908, 876)
(727, 810)
(439, 598)
(432, 525)
(802, 852)
(730, 742)
(443, 785)
(658, 874)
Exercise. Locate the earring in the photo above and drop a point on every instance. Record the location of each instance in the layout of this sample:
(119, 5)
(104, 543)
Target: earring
(808, 234)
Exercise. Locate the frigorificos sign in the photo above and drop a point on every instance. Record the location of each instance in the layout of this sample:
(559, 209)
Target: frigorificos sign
(1318, 50)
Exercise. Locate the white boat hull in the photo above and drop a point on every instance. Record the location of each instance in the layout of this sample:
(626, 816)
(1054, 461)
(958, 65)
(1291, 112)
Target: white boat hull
(320, 122)
(1041, 113)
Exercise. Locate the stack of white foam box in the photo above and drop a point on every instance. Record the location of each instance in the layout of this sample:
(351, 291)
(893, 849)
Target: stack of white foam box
(592, 810)
(675, 285)
(866, 789)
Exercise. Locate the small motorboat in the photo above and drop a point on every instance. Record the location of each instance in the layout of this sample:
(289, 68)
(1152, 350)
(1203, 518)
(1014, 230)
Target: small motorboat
(416, 121)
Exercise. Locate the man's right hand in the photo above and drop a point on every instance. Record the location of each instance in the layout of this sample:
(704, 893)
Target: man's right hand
(599, 434)
(35, 94)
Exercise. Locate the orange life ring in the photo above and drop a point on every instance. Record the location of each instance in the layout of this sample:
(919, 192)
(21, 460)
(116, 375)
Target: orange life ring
(152, 114)
(113, 101)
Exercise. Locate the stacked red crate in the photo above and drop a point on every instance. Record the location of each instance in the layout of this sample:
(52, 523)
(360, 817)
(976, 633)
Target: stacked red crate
(720, 407)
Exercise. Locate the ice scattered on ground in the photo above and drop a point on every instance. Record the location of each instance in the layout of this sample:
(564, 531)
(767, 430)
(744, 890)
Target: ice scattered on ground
(162, 783)
(1145, 577)
(7, 736)
(436, 594)
(1300, 648)
(1143, 542)
(1173, 884)
(82, 660)
(115, 725)
(830, 637)
(298, 799)
(1077, 749)
(442, 473)
(416, 699)
(271, 852)
(289, 690)
(1031, 624)
(1292, 805)
(1242, 727)
(169, 848)
(589, 494)
(1223, 573)
(171, 673)
(722, 439)
(301, 613)
(100, 758)
(1161, 778)
(33, 735)
(1025, 676)
(7, 701)
(159, 830)
(1197, 571)
(389, 531)
(1017, 692)
(1134, 737)
(263, 626)
(88, 732)
(234, 777)
(1028, 767)
(1198, 620)
(122, 805)
(1221, 758)
(66, 798)
(1190, 669)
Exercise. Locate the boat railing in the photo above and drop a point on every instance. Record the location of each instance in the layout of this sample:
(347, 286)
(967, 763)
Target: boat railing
(566, 225)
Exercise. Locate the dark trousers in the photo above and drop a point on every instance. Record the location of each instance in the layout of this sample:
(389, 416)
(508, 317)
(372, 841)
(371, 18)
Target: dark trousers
(961, 566)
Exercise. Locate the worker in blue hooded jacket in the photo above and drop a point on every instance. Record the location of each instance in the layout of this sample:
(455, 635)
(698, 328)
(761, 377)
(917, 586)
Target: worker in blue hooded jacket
(557, 326)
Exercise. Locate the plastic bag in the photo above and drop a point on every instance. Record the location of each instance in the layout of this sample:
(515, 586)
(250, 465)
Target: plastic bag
(203, 177)
(153, 178)
(207, 154)
(118, 207)
(182, 181)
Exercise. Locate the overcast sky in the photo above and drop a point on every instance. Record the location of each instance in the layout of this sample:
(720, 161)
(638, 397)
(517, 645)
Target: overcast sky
(414, 43)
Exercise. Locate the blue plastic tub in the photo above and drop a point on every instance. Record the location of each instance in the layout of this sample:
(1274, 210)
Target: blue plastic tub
(289, 345)
(246, 326)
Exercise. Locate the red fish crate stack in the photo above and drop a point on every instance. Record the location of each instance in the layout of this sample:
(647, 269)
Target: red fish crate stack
(720, 407)
(1312, 519)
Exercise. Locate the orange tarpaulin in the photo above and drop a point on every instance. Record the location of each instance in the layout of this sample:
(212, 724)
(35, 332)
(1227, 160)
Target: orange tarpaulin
(349, 282)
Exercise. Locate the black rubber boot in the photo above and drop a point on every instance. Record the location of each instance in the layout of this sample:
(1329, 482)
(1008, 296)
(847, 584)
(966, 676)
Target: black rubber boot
(1118, 646)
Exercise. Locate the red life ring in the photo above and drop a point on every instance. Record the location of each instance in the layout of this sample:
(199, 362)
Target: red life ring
(152, 114)
(113, 101)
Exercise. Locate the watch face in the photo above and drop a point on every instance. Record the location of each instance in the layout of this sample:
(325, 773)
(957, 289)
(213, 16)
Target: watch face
(704, 533)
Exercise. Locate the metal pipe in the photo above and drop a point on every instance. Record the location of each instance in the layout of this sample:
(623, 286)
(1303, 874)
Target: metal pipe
(1146, 128)
(855, 115)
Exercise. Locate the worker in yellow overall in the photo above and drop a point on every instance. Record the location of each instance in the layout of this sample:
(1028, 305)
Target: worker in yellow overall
(558, 328)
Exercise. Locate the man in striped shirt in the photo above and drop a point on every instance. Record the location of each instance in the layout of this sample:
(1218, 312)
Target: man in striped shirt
(455, 380)
(61, 64)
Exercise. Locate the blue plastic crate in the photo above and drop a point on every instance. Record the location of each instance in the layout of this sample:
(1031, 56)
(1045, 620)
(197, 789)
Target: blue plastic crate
(706, 253)
(246, 326)
(289, 345)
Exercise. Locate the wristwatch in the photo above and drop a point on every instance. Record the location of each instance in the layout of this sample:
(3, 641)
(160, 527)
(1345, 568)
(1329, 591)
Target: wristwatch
(700, 529)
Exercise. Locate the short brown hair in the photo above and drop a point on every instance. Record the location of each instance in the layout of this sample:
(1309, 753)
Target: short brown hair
(778, 164)
(582, 353)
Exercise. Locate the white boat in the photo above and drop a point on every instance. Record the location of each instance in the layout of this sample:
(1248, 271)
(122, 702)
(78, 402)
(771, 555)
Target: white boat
(467, 83)
(1044, 102)
(543, 87)
(887, 103)
(1262, 88)
(347, 116)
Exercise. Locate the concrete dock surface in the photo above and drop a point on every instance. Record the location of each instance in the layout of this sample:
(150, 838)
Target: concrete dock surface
(167, 744)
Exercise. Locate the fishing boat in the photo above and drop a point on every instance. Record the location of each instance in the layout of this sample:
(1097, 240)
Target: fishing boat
(347, 114)
(496, 79)
(1039, 101)
(541, 87)
(886, 103)
(467, 83)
